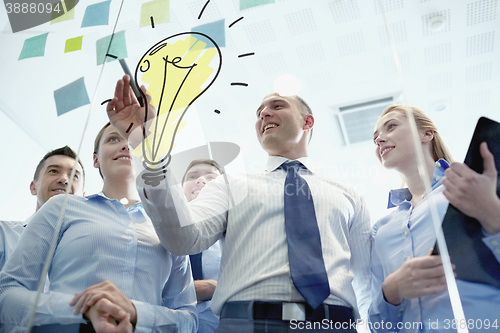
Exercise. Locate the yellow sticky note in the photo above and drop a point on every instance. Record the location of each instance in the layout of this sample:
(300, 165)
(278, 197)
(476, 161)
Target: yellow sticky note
(73, 44)
(159, 10)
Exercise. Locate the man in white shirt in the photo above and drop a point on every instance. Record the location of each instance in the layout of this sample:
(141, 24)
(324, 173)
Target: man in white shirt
(255, 291)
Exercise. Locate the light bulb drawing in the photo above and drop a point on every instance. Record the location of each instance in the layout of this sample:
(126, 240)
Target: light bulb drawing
(177, 71)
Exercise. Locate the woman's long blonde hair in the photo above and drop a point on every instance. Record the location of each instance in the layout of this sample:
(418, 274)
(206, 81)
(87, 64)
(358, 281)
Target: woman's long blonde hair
(439, 149)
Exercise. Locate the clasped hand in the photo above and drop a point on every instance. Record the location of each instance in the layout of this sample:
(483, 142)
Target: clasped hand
(107, 307)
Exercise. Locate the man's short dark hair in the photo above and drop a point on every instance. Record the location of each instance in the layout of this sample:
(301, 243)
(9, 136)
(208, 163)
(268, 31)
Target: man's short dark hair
(305, 109)
(65, 151)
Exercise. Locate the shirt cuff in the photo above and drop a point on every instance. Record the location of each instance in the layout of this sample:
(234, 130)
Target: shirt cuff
(145, 316)
(493, 243)
(64, 312)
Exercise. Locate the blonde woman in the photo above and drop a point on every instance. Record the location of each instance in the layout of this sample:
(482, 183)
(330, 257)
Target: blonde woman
(409, 292)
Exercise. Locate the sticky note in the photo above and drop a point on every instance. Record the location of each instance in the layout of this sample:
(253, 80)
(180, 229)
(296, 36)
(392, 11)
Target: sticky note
(71, 96)
(214, 30)
(118, 48)
(34, 47)
(158, 9)
(69, 14)
(96, 14)
(73, 44)
(244, 4)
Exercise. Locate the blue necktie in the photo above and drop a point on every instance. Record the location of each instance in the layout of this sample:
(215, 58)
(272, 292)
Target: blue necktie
(307, 267)
(196, 266)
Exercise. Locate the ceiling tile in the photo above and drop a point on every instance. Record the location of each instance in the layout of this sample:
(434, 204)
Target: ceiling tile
(439, 82)
(481, 11)
(480, 44)
(437, 54)
(478, 73)
(311, 53)
(260, 33)
(397, 31)
(300, 22)
(344, 11)
(351, 44)
(477, 99)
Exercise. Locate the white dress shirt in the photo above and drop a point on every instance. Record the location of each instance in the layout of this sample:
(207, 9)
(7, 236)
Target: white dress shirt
(254, 263)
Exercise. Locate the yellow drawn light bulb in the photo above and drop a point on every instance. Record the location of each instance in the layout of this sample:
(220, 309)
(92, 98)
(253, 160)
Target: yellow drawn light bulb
(177, 70)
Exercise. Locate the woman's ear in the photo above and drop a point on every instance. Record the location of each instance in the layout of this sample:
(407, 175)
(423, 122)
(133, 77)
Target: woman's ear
(428, 135)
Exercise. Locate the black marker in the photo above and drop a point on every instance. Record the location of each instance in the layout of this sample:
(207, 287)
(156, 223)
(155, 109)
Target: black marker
(132, 82)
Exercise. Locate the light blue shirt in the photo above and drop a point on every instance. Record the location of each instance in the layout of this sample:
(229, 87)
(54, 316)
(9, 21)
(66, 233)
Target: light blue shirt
(10, 231)
(210, 263)
(406, 233)
(99, 240)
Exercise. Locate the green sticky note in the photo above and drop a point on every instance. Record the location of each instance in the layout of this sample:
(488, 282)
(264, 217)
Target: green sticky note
(34, 47)
(214, 30)
(96, 14)
(158, 9)
(244, 4)
(71, 96)
(118, 49)
(73, 44)
(69, 15)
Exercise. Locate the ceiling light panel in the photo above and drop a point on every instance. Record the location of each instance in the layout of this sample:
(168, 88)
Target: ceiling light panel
(430, 29)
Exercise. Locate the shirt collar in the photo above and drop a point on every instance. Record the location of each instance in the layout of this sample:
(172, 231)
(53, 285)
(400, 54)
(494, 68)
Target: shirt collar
(103, 196)
(401, 195)
(274, 162)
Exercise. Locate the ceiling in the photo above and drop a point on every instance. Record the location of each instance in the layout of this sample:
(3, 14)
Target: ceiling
(447, 53)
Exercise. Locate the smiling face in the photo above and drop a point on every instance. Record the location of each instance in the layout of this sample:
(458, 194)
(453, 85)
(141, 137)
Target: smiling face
(113, 156)
(196, 178)
(281, 125)
(54, 178)
(393, 141)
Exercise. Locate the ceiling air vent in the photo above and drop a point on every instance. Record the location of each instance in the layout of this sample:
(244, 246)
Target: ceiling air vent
(357, 121)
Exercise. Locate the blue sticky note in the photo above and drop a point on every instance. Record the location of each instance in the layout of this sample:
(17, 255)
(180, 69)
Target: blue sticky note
(96, 14)
(34, 47)
(71, 96)
(117, 50)
(244, 4)
(214, 30)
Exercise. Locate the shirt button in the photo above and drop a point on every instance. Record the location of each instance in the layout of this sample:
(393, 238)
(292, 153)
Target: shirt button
(438, 178)
(494, 243)
(406, 233)
(438, 164)
(409, 257)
